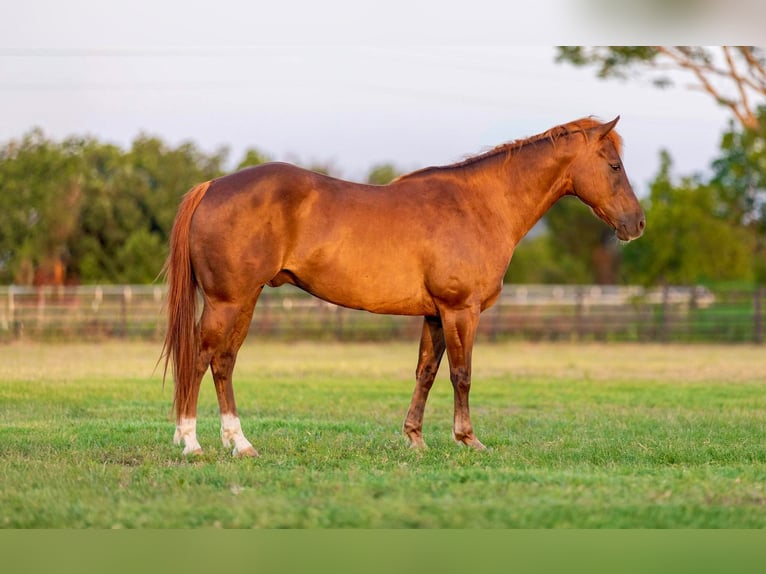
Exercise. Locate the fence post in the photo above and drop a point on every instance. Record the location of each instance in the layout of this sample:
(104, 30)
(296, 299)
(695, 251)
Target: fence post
(758, 315)
(40, 309)
(339, 312)
(579, 327)
(157, 294)
(16, 326)
(665, 319)
(98, 297)
(10, 305)
(127, 294)
(492, 321)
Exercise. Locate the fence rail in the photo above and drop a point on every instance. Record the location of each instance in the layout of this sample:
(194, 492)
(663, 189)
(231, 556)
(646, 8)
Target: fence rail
(530, 312)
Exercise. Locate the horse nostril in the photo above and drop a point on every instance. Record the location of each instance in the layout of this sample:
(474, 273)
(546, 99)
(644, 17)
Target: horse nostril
(641, 224)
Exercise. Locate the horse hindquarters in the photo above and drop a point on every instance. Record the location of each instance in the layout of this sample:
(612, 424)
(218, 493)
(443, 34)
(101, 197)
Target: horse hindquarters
(194, 263)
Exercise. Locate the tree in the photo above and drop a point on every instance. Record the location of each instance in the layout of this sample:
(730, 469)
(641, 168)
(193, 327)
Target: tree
(382, 174)
(739, 177)
(688, 240)
(252, 158)
(537, 260)
(129, 204)
(740, 174)
(735, 76)
(325, 168)
(83, 211)
(40, 191)
(586, 247)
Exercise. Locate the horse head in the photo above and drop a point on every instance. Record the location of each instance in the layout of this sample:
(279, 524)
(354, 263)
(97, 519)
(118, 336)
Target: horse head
(598, 178)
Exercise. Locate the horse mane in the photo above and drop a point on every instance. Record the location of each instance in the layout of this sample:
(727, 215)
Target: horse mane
(509, 148)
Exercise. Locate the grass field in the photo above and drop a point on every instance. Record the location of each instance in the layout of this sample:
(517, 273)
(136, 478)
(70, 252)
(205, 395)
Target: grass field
(592, 436)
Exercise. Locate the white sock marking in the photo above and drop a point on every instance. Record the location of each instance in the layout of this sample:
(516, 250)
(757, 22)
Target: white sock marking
(231, 431)
(186, 431)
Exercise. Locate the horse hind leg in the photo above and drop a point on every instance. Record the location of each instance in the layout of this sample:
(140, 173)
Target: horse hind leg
(186, 419)
(227, 328)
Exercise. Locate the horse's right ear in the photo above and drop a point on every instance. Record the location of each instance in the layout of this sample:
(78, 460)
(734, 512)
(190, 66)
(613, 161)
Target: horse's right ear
(603, 130)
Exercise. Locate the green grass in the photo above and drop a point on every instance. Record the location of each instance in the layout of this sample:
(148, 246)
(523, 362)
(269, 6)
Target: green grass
(589, 436)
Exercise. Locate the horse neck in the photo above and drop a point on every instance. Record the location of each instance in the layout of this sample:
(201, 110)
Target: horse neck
(535, 178)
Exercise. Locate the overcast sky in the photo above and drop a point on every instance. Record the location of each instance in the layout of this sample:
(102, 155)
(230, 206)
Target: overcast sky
(306, 81)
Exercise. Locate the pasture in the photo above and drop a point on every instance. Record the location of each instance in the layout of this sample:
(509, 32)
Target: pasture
(589, 436)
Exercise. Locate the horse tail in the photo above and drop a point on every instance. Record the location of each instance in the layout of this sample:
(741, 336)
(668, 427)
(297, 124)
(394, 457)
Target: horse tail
(181, 339)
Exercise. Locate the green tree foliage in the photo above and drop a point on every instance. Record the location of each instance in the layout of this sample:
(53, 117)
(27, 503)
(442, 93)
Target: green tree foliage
(537, 261)
(325, 168)
(585, 246)
(382, 174)
(85, 211)
(734, 76)
(610, 61)
(739, 178)
(572, 246)
(252, 158)
(129, 204)
(41, 189)
(740, 174)
(688, 239)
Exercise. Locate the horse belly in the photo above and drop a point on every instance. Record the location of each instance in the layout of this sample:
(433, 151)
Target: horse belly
(388, 285)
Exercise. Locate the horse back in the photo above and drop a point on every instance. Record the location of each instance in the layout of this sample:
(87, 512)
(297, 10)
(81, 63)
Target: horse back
(387, 249)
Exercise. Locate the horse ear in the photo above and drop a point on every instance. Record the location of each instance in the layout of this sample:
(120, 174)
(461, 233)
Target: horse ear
(603, 130)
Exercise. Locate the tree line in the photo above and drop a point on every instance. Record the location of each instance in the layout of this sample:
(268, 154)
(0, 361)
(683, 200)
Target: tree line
(83, 211)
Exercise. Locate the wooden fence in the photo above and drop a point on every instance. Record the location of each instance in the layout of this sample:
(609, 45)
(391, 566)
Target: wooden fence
(529, 312)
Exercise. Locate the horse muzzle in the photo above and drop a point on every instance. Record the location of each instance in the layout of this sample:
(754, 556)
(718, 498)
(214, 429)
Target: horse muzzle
(630, 227)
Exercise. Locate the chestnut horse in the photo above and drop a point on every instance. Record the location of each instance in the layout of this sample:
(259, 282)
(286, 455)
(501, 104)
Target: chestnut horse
(436, 242)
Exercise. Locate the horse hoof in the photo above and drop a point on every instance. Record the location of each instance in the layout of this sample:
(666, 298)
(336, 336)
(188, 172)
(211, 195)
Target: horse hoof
(470, 441)
(476, 444)
(193, 452)
(416, 440)
(249, 452)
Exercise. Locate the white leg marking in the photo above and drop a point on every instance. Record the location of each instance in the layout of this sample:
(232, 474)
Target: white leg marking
(231, 431)
(186, 431)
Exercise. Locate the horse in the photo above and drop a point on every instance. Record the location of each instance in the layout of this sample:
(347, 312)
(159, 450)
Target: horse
(434, 243)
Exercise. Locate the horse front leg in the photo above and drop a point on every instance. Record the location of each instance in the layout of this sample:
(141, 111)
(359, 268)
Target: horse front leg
(459, 333)
(430, 354)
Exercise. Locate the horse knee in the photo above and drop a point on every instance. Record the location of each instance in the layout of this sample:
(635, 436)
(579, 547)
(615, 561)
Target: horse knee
(425, 374)
(461, 380)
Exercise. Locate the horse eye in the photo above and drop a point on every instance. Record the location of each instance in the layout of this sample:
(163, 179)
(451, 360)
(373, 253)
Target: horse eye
(615, 166)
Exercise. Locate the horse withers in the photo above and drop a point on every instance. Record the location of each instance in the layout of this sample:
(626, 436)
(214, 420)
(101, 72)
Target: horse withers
(435, 243)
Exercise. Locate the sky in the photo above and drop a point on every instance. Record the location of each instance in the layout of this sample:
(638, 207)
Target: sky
(349, 84)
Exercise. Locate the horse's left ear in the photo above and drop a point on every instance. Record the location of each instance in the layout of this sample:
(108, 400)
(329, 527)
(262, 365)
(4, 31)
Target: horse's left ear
(603, 130)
